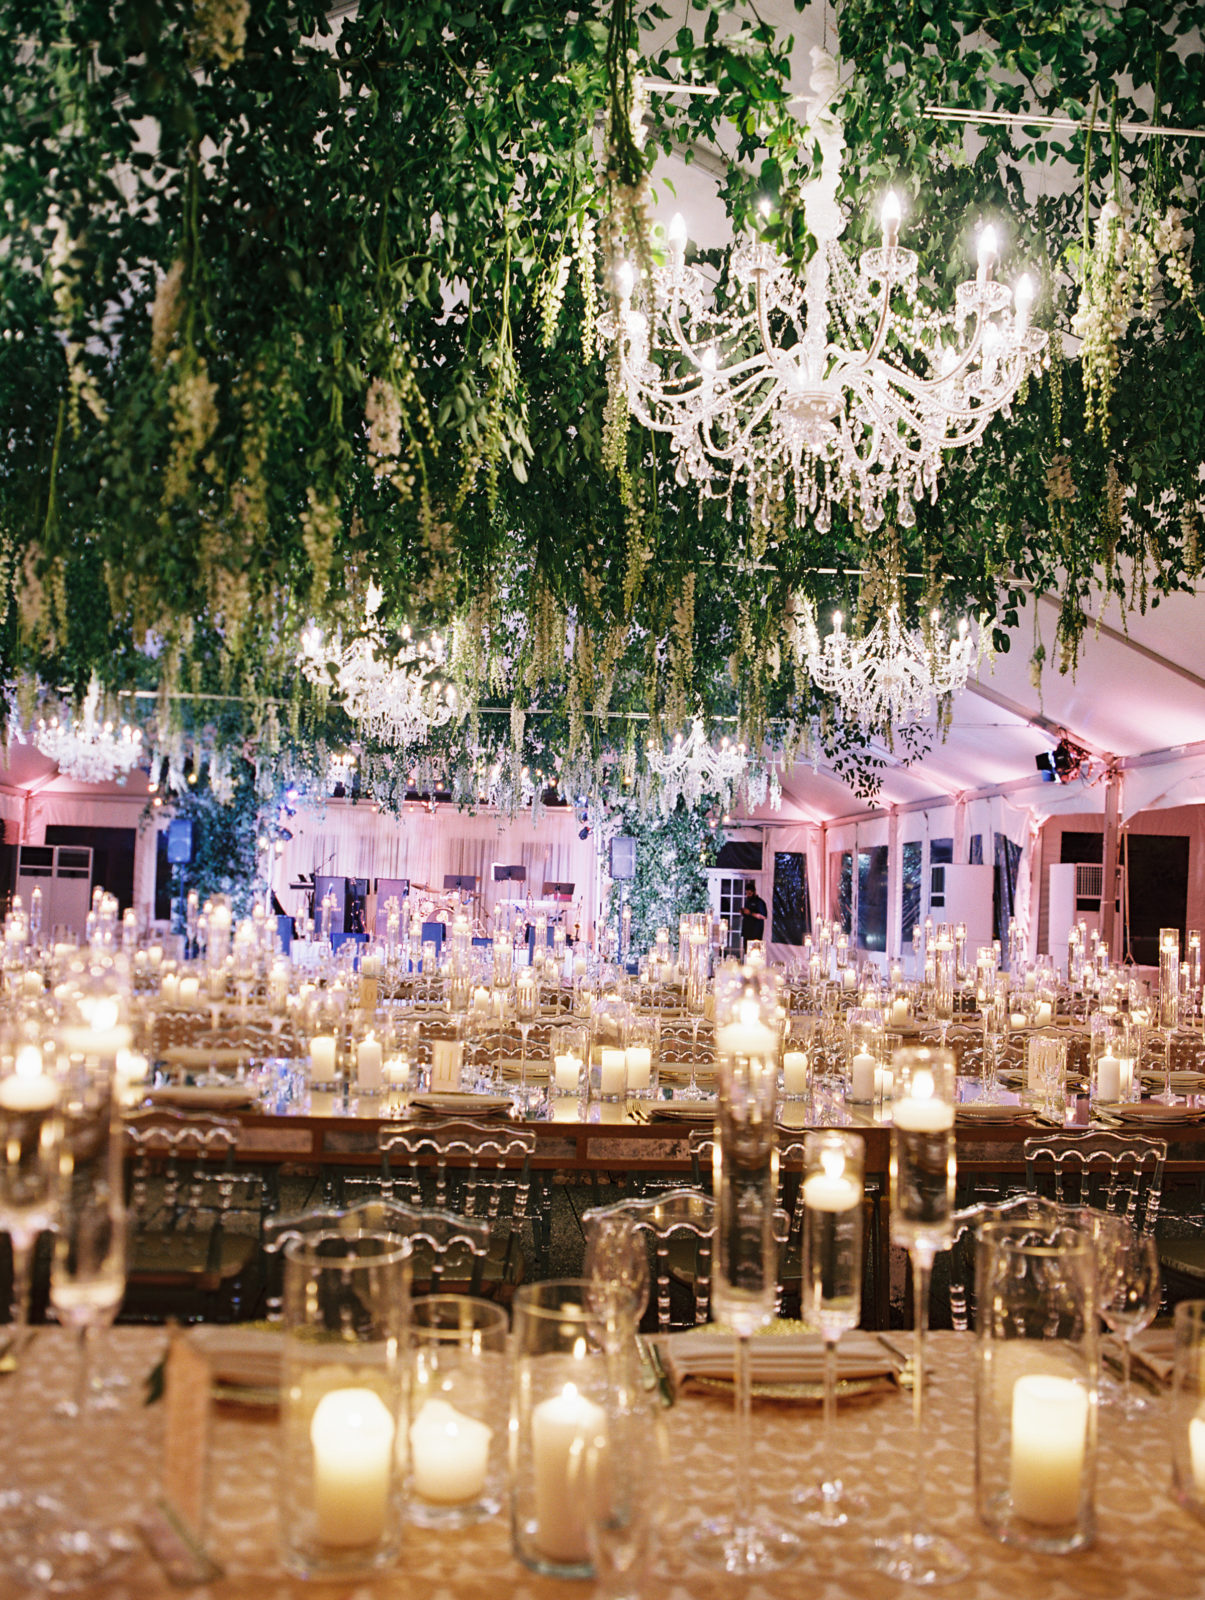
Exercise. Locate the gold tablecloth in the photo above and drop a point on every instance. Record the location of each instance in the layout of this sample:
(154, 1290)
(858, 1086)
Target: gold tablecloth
(1147, 1548)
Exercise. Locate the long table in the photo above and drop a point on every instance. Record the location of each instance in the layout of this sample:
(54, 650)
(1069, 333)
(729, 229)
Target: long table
(1147, 1547)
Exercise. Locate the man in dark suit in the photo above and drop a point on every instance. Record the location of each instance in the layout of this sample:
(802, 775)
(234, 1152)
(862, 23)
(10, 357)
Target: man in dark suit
(753, 916)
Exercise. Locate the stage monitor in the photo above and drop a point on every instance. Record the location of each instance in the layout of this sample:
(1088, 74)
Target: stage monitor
(623, 857)
(179, 841)
(558, 891)
(466, 883)
(510, 874)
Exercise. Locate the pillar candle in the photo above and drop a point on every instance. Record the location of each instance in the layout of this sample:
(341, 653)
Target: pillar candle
(613, 1073)
(640, 1066)
(862, 1076)
(369, 1063)
(567, 1073)
(323, 1055)
(559, 1426)
(189, 990)
(1049, 1431)
(1196, 1446)
(352, 1438)
(449, 1454)
(169, 988)
(1108, 1078)
(795, 1072)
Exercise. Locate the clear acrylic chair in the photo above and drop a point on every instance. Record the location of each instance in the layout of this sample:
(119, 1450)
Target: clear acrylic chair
(1113, 1172)
(476, 1171)
(967, 1221)
(185, 1189)
(449, 1252)
(679, 1225)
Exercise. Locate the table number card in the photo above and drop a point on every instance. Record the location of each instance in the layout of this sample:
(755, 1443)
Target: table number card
(445, 1065)
(173, 1528)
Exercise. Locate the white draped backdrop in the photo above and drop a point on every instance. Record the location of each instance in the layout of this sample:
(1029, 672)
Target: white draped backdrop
(355, 841)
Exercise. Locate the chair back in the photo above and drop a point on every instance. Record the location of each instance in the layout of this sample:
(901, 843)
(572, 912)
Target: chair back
(967, 1222)
(196, 1153)
(474, 1170)
(439, 1238)
(680, 1225)
(1113, 1172)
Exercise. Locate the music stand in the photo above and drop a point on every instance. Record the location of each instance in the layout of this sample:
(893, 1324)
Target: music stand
(558, 891)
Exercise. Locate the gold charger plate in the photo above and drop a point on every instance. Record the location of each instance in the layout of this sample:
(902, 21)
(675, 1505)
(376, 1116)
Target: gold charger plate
(1150, 1112)
(462, 1104)
(799, 1393)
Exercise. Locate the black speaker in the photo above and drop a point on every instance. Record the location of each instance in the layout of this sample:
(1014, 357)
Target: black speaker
(179, 841)
(623, 858)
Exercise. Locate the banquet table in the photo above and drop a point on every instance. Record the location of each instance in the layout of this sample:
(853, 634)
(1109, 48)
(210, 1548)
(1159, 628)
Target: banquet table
(1147, 1548)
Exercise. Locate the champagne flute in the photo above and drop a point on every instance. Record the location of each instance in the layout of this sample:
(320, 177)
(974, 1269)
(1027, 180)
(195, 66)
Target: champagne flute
(30, 1138)
(88, 1277)
(832, 1288)
(745, 1272)
(922, 1203)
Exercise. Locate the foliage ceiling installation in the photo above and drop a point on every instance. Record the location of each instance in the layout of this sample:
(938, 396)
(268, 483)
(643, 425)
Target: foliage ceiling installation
(292, 306)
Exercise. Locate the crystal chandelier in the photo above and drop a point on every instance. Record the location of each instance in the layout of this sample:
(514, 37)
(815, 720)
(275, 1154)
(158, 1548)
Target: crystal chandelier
(803, 385)
(892, 675)
(86, 748)
(693, 767)
(398, 699)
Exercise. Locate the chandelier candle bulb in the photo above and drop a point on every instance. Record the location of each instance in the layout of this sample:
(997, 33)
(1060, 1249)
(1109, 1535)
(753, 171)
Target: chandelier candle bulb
(352, 1436)
(891, 220)
(987, 253)
(1049, 1434)
(1023, 297)
(560, 1426)
(449, 1454)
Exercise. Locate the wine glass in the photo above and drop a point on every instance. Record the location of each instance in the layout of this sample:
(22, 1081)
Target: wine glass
(1128, 1272)
(527, 1001)
(745, 1270)
(922, 1202)
(832, 1288)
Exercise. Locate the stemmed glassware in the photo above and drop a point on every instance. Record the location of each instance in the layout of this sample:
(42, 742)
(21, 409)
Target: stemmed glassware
(832, 1287)
(527, 1004)
(696, 994)
(1128, 1272)
(745, 1264)
(30, 1137)
(943, 987)
(88, 1277)
(922, 1203)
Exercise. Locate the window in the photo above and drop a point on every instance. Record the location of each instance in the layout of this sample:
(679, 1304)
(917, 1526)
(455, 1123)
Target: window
(791, 911)
(845, 891)
(912, 861)
(872, 898)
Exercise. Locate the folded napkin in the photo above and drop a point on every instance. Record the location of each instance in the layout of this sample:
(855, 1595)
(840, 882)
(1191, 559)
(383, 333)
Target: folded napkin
(240, 1357)
(775, 1356)
(218, 1055)
(200, 1097)
(1182, 1082)
(1155, 1111)
(681, 1110)
(462, 1104)
(979, 1111)
(1154, 1351)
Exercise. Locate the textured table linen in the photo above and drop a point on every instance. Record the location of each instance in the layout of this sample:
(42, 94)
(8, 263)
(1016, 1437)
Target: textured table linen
(1147, 1548)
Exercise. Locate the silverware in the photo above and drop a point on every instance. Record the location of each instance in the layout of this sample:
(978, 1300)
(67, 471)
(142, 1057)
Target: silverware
(905, 1371)
(661, 1378)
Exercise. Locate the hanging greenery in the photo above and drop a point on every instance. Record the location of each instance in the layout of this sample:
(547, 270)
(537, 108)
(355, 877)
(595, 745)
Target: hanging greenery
(672, 857)
(292, 303)
(225, 829)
